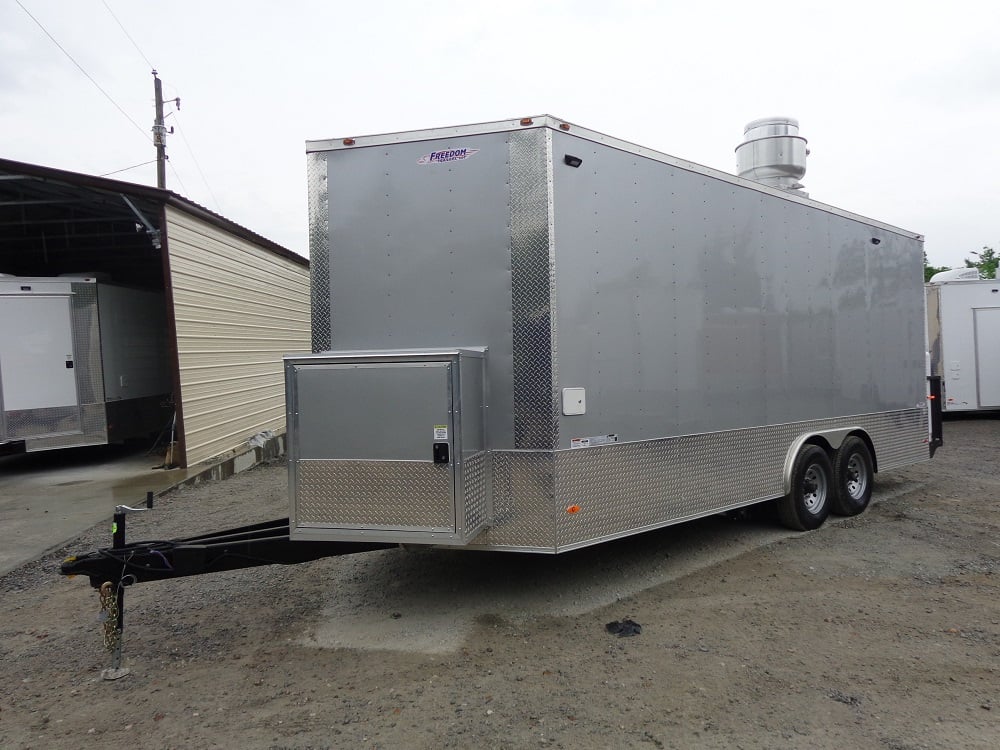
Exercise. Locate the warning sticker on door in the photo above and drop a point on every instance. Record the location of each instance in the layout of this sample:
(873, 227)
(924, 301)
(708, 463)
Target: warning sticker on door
(440, 432)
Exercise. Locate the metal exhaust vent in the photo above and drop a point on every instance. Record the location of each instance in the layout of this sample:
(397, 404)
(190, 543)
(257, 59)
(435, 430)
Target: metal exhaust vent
(773, 153)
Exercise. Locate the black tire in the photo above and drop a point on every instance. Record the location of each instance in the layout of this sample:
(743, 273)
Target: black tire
(853, 475)
(807, 506)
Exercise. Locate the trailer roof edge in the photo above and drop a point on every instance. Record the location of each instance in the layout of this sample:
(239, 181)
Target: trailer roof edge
(565, 126)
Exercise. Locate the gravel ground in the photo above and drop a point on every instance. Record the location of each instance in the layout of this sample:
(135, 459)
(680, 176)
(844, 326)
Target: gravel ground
(876, 631)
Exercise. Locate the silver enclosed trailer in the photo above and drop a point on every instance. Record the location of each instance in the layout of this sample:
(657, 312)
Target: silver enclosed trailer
(531, 336)
(82, 362)
(963, 335)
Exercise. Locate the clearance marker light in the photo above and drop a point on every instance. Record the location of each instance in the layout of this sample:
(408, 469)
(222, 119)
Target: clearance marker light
(527, 121)
(564, 126)
(573, 509)
(348, 141)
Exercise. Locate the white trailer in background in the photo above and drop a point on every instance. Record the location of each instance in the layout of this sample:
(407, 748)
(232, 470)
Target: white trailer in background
(82, 362)
(963, 334)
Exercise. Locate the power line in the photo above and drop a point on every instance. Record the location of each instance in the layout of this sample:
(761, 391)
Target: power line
(183, 187)
(117, 106)
(211, 192)
(80, 67)
(120, 26)
(126, 169)
(177, 120)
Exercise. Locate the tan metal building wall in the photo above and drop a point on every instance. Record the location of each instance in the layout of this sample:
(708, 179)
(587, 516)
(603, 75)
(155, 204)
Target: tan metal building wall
(238, 307)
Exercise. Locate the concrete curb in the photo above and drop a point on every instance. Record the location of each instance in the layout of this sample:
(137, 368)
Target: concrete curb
(245, 458)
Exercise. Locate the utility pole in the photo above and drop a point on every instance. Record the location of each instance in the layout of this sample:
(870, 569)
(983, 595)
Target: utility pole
(160, 135)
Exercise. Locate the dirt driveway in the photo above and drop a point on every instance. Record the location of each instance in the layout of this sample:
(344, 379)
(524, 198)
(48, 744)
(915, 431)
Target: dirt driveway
(881, 631)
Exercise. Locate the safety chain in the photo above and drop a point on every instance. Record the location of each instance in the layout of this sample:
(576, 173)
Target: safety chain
(109, 616)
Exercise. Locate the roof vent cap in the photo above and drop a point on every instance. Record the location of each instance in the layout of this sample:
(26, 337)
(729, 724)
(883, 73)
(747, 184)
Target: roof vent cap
(773, 153)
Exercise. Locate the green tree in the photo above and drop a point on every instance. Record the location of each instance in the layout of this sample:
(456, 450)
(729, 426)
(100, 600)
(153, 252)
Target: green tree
(986, 262)
(931, 270)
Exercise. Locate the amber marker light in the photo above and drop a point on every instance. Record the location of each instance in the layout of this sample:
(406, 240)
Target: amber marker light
(527, 121)
(564, 126)
(573, 509)
(348, 141)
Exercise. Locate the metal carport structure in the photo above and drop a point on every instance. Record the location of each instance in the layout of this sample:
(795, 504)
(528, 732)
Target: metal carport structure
(236, 301)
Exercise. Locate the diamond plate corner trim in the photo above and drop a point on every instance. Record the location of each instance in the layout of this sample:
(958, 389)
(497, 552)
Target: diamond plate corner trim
(317, 177)
(95, 421)
(397, 494)
(535, 425)
(627, 488)
(476, 493)
(522, 501)
(554, 402)
(900, 438)
(89, 367)
(87, 344)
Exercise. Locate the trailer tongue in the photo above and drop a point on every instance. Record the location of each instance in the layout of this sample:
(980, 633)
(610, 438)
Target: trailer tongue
(233, 549)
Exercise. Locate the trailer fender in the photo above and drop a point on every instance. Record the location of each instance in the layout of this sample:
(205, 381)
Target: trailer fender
(829, 440)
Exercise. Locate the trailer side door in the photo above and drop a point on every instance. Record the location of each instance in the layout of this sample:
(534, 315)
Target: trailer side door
(988, 356)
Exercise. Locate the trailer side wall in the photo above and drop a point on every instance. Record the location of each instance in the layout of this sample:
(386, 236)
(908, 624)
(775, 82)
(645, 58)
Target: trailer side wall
(687, 305)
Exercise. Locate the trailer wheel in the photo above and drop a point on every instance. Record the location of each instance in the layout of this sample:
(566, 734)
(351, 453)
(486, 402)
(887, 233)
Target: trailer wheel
(852, 478)
(808, 503)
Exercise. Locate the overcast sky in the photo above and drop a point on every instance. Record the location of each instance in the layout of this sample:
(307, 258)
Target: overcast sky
(900, 101)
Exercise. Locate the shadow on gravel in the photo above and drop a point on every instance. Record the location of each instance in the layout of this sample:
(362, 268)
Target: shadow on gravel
(429, 600)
